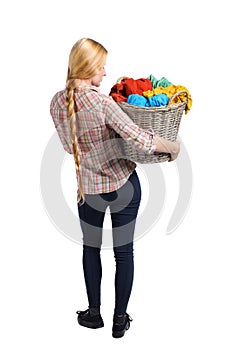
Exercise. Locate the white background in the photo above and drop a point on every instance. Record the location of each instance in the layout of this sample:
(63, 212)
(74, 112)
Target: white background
(182, 294)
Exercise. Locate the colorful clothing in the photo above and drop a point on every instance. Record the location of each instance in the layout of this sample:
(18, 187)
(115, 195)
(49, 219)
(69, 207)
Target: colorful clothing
(129, 86)
(161, 82)
(170, 91)
(158, 100)
(101, 126)
(137, 100)
(154, 101)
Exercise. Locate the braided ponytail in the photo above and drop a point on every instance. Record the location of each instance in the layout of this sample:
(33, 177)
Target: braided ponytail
(86, 58)
(70, 103)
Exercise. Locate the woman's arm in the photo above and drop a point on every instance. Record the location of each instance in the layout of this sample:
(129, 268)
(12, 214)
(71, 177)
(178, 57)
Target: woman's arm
(59, 115)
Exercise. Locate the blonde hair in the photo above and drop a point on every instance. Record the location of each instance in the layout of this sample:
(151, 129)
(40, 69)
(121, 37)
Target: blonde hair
(86, 58)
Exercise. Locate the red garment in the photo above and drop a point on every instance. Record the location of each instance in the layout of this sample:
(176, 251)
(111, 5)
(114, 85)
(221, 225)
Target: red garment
(129, 86)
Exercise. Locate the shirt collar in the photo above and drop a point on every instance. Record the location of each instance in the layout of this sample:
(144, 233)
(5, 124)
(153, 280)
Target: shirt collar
(87, 87)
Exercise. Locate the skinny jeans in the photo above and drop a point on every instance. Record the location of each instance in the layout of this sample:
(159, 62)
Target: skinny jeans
(123, 204)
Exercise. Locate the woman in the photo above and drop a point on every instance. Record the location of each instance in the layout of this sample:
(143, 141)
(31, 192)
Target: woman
(91, 126)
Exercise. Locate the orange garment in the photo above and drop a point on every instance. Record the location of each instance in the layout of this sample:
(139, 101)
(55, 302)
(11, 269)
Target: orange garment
(170, 91)
(129, 86)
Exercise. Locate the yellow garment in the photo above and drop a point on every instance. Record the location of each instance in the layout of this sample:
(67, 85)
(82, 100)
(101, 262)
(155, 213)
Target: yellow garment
(170, 91)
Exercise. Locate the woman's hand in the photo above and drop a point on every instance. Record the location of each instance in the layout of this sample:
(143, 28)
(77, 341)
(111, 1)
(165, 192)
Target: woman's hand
(165, 146)
(175, 151)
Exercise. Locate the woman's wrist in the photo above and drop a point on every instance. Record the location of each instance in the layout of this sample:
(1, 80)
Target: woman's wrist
(164, 146)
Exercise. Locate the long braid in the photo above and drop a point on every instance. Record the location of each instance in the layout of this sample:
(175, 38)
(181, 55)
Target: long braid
(71, 85)
(86, 59)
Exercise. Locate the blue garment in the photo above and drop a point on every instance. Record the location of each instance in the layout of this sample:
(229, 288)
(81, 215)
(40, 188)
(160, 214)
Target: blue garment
(137, 100)
(157, 100)
(154, 101)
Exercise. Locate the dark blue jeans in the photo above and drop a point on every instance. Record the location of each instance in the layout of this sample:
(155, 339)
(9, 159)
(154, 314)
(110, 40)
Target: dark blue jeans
(124, 204)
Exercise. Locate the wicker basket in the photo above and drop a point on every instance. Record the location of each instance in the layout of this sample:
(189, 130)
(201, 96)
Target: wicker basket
(164, 121)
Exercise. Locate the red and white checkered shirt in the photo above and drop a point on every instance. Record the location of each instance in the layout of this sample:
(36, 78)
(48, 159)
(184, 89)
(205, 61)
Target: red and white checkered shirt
(101, 128)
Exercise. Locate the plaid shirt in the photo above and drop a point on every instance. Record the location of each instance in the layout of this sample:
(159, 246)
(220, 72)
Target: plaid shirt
(102, 126)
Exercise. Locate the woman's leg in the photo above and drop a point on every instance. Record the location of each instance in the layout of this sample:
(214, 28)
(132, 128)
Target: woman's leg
(123, 277)
(91, 221)
(124, 212)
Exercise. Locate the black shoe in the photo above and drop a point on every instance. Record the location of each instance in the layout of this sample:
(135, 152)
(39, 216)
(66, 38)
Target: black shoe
(87, 319)
(120, 325)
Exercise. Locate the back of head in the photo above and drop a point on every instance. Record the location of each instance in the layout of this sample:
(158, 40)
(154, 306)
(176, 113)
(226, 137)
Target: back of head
(86, 58)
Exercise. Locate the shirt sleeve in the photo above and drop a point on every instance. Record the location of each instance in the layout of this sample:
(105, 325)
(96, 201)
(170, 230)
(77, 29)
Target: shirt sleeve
(118, 120)
(59, 116)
